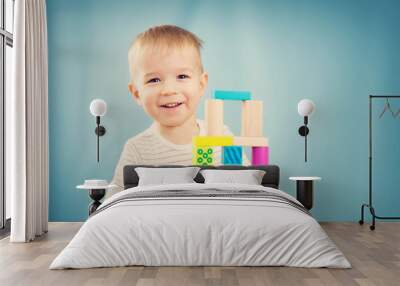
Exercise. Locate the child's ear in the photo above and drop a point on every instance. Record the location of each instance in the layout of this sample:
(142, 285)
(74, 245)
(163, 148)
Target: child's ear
(135, 93)
(203, 82)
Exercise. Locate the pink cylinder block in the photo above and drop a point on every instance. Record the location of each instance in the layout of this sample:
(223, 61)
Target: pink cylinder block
(259, 155)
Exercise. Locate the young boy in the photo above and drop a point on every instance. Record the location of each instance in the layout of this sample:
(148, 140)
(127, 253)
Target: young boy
(167, 81)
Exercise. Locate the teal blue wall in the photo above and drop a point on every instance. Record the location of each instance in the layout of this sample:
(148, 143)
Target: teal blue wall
(333, 52)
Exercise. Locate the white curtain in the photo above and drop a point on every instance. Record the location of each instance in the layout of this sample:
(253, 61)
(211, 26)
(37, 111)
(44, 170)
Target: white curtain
(28, 123)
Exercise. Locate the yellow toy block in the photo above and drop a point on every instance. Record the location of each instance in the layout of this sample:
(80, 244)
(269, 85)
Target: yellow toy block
(202, 141)
(252, 111)
(214, 117)
(203, 156)
(250, 141)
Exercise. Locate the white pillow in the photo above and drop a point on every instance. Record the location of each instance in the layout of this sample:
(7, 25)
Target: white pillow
(163, 176)
(248, 177)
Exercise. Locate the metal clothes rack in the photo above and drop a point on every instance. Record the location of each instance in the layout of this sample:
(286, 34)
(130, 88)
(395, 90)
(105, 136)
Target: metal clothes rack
(369, 205)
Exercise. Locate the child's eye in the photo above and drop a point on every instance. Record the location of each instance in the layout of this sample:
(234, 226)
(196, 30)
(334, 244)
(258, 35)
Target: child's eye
(183, 76)
(153, 80)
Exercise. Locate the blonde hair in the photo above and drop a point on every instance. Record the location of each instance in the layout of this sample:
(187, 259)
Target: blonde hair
(163, 37)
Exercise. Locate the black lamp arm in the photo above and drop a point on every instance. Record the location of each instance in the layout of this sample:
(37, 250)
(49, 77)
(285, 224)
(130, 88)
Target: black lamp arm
(303, 131)
(98, 147)
(100, 131)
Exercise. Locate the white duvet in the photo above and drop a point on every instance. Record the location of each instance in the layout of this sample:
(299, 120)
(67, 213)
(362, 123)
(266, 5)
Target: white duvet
(200, 231)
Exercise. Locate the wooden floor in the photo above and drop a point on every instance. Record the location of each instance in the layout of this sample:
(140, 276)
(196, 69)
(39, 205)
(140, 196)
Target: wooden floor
(375, 257)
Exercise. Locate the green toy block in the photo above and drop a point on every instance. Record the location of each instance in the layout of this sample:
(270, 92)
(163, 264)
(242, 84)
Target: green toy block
(231, 95)
(203, 156)
(232, 155)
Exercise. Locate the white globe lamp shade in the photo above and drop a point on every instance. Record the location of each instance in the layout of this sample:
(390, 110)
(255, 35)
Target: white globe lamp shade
(98, 107)
(305, 107)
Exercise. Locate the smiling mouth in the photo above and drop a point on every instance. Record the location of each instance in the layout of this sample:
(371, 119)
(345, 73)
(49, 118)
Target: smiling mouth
(172, 105)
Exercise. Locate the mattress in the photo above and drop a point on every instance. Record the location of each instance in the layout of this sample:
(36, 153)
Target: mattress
(201, 225)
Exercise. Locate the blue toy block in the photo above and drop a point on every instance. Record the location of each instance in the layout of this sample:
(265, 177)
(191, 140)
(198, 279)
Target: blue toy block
(232, 95)
(232, 155)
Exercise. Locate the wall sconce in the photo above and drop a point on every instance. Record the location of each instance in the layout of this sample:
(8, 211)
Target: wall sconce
(98, 108)
(305, 107)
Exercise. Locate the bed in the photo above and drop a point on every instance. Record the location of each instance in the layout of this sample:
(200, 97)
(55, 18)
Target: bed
(199, 224)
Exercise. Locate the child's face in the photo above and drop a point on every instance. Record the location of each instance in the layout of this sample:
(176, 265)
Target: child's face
(169, 84)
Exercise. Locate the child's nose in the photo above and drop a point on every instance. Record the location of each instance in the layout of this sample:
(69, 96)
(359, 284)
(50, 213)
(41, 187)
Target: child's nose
(168, 88)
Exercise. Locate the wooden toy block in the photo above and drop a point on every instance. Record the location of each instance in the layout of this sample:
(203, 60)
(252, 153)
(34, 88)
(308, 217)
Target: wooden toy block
(203, 141)
(259, 156)
(232, 155)
(203, 156)
(250, 141)
(231, 95)
(252, 118)
(214, 117)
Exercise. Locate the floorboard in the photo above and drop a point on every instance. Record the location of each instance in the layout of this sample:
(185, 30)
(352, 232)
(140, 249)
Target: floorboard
(374, 255)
